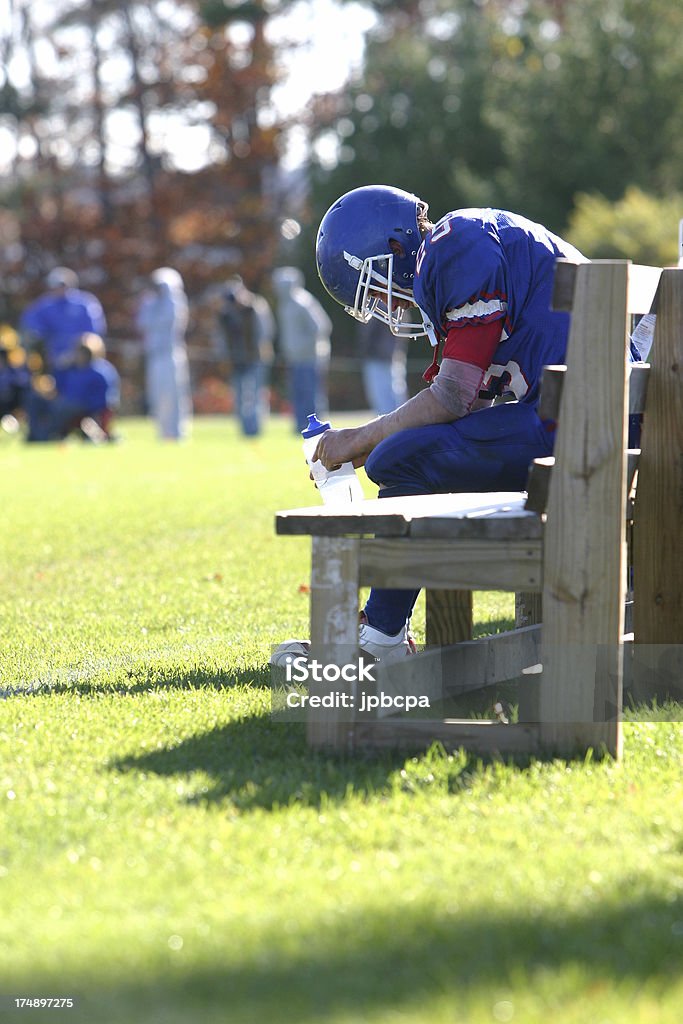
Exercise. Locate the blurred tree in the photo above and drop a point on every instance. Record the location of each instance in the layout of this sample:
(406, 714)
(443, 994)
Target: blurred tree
(515, 103)
(639, 227)
(520, 103)
(590, 104)
(155, 143)
(416, 116)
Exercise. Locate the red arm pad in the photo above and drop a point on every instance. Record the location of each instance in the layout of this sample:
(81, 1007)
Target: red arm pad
(473, 343)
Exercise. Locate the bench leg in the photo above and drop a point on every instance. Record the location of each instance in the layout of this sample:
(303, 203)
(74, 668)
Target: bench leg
(448, 617)
(334, 634)
(584, 567)
(529, 612)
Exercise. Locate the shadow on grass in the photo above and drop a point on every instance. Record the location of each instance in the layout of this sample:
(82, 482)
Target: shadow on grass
(256, 762)
(491, 626)
(139, 680)
(397, 960)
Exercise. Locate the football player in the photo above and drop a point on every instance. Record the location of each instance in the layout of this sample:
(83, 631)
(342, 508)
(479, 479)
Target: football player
(55, 322)
(482, 282)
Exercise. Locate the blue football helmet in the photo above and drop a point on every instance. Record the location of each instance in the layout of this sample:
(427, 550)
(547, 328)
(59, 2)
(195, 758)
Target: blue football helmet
(366, 251)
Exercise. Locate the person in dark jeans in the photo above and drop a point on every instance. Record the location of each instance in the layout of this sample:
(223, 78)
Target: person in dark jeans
(247, 328)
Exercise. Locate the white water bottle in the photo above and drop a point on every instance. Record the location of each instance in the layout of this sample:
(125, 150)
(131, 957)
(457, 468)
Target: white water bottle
(337, 486)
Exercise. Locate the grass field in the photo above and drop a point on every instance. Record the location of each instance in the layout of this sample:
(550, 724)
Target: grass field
(168, 853)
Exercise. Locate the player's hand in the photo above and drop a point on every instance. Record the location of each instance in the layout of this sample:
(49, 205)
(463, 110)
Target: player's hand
(357, 463)
(338, 446)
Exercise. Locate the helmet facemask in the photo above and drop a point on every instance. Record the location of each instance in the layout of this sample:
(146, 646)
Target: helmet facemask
(376, 294)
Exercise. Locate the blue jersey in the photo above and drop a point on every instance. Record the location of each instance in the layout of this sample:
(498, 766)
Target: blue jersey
(478, 266)
(61, 319)
(85, 388)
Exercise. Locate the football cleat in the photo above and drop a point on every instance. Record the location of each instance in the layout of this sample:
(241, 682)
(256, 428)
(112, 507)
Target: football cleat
(382, 646)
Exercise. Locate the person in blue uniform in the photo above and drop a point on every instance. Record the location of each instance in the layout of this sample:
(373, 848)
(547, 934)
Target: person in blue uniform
(481, 280)
(56, 320)
(100, 365)
(88, 391)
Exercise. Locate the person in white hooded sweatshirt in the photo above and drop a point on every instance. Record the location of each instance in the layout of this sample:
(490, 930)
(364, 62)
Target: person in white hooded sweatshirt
(304, 330)
(162, 320)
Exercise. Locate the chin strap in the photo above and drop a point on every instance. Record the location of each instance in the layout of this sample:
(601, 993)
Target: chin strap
(429, 328)
(433, 368)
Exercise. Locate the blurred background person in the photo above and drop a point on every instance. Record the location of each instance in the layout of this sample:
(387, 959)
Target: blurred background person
(383, 365)
(246, 333)
(54, 323)
(162, 319)
(81, 400)
(101, 365)
(15, 384)
(304, 331)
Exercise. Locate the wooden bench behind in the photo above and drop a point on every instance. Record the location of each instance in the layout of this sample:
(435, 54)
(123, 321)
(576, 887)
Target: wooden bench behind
(574, 555)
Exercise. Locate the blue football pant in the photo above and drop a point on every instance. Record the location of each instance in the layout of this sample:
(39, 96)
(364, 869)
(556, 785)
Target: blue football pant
(489, 450)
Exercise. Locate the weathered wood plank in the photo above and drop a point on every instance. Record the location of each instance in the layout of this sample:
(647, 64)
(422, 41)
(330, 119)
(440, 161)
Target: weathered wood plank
(538, 484)
(488, 739)
(334, 632)
(368, 518)
(541, 471)
(638, 378)
(418, 675)
(529, 612)
(462, 668)
(448, 617)
(584, 568)
(643, 283)
(490, 660)
(563, 285)
(486, 516)
(553, 382)
(522, 525)
(658, 513)
(460, 564)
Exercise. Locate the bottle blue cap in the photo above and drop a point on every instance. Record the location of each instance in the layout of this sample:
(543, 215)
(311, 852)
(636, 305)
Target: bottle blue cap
(314, 427)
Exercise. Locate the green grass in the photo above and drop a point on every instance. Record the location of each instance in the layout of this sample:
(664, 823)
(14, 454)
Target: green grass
(168, 853)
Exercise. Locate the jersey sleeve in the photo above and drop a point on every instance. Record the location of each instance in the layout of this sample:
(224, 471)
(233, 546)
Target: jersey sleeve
(94, 314)
(462, 272)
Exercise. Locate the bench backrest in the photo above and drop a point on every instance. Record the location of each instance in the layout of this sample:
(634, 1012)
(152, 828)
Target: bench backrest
(552, 384)
(642, 283)
(658, 513)
(592, 470)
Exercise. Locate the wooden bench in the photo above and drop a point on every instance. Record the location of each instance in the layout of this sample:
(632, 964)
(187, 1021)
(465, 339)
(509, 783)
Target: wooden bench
(568, 556)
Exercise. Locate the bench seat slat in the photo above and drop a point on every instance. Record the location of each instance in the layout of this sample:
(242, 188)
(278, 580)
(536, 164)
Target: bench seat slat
(498, 515)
